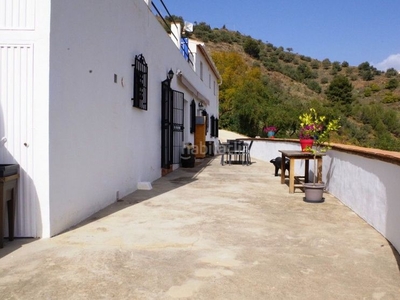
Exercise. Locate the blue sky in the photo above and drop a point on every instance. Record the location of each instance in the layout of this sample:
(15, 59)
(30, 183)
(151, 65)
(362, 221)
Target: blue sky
(355, 31)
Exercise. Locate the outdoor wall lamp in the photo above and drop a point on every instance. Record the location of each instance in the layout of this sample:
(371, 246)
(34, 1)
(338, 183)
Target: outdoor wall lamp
(170, 75)
(201, 105)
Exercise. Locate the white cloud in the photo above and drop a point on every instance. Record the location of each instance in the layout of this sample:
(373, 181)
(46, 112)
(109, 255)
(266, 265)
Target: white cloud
(392, 61)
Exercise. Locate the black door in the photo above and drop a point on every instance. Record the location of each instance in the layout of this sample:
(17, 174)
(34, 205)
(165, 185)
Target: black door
(172, 118)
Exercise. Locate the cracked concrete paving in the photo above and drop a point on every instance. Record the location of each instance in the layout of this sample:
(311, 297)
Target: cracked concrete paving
(211, 232)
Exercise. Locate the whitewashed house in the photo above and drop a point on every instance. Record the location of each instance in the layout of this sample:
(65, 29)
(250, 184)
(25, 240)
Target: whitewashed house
(67, 116)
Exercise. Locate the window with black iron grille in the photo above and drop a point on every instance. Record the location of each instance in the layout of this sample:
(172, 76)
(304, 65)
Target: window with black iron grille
(214, 126)
(140, 77)
(192, 116)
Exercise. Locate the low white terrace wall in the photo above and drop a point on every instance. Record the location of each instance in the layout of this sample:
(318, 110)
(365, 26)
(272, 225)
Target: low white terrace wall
(363, 179)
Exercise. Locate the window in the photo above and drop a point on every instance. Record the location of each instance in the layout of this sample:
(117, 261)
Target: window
(214, 88)
(140, 79)
(201, 70)
(214, 126)
(192, 116)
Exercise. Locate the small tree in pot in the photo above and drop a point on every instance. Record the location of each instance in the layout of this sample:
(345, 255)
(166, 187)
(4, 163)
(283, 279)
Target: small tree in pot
(321, 135)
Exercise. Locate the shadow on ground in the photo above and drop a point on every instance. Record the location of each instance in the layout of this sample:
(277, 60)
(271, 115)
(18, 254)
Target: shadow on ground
(176, 179)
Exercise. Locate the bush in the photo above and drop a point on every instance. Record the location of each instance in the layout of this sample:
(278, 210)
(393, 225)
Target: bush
(390, 98)
(315, 64)
(367, 92)
(375, 87)
(336, 66)
(392, 84)
(305, 58)
(252, 47)
(391, 72)
(314, 86)
(326, 63)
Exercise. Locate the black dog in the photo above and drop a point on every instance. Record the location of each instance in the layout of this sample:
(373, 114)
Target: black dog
(277, 163)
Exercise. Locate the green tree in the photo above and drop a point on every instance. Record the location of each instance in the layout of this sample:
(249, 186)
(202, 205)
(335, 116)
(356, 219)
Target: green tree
(345, 64)
(252, 47)
(336, 66)
(340, 90)
(392, 84)
(304, 72)
(232, 68)
(202, 31)
(314, 64)
(326, 63)
(366, 71)
(313, 85)
(324, 80)
(391, 72)
(250, 103)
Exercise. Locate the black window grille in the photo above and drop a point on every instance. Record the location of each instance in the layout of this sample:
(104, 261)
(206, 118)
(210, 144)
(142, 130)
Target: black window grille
(140, 79)
(192, 116)
(214, 126)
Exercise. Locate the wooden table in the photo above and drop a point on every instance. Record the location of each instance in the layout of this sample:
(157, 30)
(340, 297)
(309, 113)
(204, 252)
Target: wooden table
(8, 194)
(293, 156)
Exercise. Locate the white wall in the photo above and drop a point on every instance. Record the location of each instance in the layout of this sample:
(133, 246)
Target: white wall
(367, 185)
(100, 144)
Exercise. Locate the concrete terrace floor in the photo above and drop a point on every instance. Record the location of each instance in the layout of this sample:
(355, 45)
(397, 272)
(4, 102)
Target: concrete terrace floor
(210, 232)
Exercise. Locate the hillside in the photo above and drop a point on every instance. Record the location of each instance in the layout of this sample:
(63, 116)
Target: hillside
(264, 85)
(370, 85)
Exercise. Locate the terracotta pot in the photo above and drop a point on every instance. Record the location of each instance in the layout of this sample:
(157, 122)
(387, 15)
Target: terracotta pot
(306, 143)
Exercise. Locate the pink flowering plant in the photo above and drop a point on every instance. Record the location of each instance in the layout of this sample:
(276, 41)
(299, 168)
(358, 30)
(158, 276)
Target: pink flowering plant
(310, 131)
(270, 128)
(317, 128)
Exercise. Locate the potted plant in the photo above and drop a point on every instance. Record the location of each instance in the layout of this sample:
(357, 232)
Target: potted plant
(311, 127)
(188, 157)
(270, 130)
(317, 128)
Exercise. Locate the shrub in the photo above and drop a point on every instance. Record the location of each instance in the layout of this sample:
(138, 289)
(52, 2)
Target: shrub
(392, 84)
(375, 87)
(367, 92)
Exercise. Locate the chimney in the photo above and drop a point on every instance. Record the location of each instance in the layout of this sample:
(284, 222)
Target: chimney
(176, 34)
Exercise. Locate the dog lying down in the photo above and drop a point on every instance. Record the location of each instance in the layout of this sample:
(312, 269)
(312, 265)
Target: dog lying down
(277, 163)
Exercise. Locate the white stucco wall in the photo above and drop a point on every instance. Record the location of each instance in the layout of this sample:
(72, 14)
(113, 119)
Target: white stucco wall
(266, 151)
(100, 144)
(369, 187)
(366, 185)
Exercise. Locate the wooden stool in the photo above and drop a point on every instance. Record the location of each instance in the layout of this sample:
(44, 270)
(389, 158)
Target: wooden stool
(8, 193)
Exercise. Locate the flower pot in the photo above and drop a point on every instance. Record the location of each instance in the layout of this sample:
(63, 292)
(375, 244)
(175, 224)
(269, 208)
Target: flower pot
(305, 144)
(188, 160)
(314, 192)
(271, 134)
